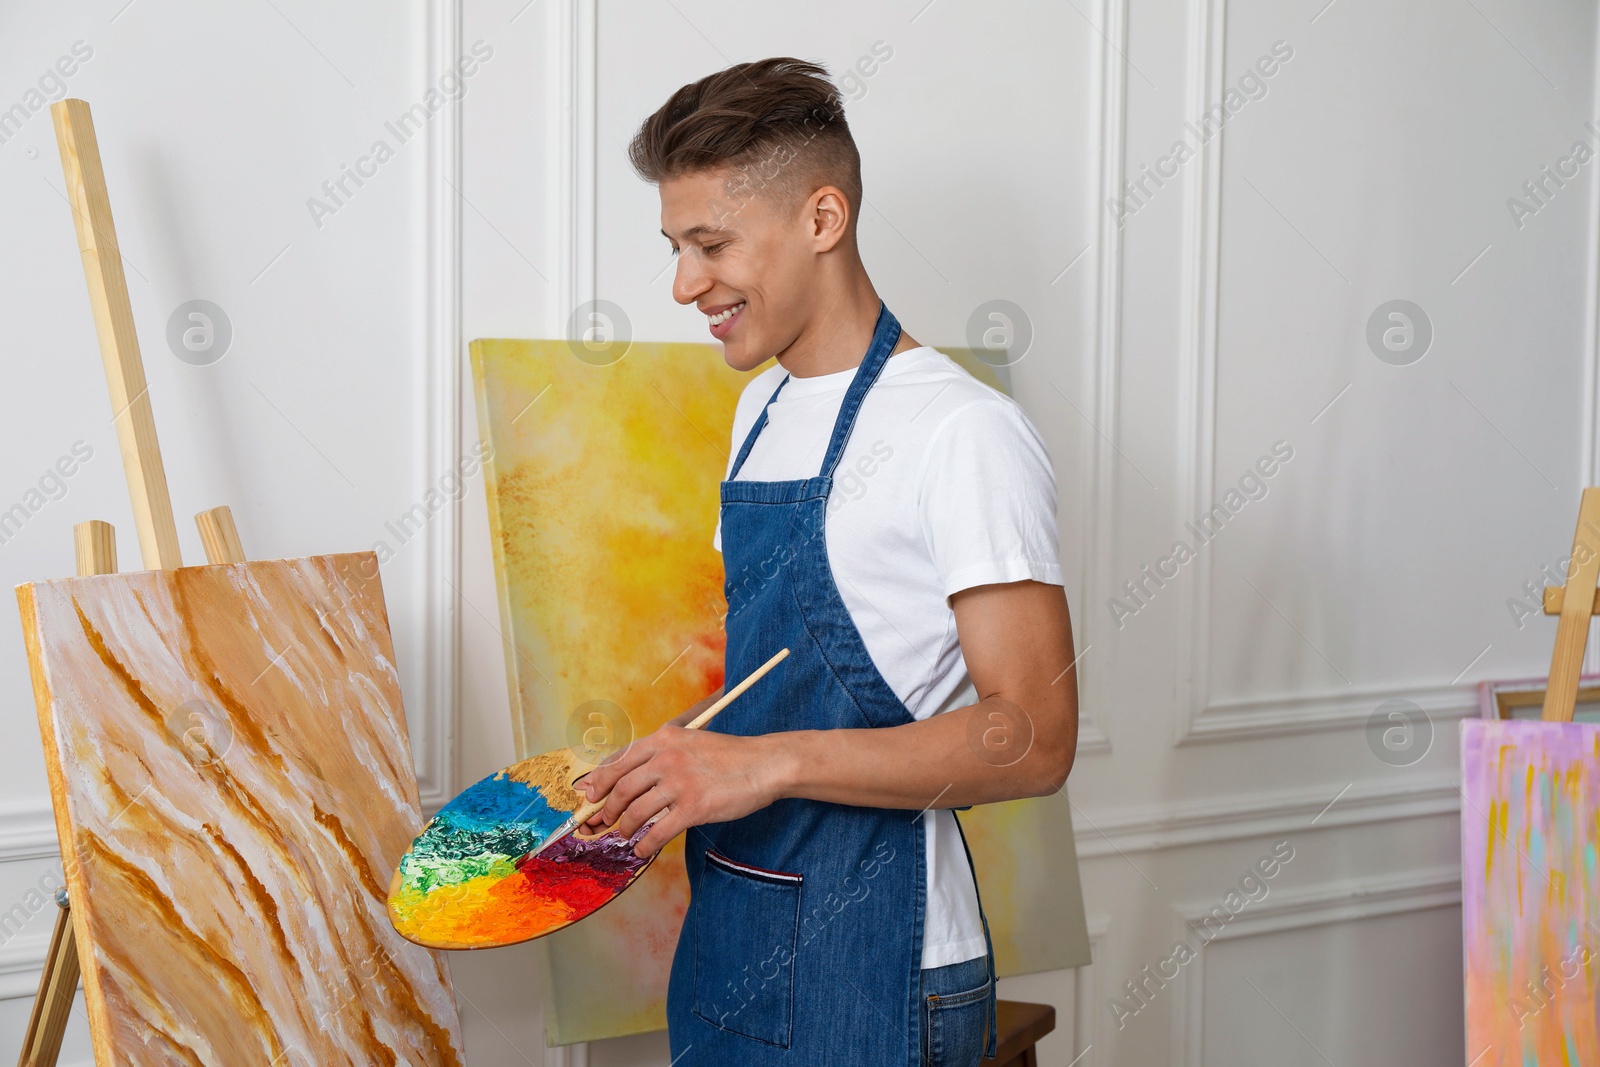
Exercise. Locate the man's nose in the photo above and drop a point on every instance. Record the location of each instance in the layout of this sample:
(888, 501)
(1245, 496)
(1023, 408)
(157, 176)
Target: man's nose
(690, 280)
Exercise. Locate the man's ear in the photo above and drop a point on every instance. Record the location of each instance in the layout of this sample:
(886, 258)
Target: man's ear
(828, 212)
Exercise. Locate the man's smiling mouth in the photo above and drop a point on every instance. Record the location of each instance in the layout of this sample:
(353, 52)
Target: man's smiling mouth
(723, 316)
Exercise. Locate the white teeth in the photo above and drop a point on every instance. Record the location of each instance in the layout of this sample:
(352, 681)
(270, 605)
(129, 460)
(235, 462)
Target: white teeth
(723, 316)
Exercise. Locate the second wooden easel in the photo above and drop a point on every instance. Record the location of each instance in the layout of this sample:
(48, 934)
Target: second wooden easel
(1576, 604)
(95, 541)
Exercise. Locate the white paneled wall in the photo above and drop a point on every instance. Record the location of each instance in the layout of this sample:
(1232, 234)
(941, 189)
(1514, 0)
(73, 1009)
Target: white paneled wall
(1200, 304)
(333, 410)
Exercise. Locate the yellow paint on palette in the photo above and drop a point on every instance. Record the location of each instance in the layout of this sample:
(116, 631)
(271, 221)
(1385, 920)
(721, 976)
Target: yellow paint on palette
(602, 477)
(483, 904)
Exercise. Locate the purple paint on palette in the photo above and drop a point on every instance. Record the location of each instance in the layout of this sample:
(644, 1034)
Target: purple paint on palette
(610, 853)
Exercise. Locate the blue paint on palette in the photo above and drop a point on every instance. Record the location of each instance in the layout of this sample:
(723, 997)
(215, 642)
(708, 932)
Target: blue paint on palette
(496, 801)
(486, 828)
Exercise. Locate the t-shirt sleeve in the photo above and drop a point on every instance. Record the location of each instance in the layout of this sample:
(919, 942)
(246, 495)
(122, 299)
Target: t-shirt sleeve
(987, 499)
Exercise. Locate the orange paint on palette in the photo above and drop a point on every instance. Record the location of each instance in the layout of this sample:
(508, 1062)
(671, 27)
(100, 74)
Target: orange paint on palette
(507, 910)
(486, 912)
(539, 898)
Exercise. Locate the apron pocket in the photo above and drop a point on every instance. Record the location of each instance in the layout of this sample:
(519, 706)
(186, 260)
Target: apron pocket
(746, 925)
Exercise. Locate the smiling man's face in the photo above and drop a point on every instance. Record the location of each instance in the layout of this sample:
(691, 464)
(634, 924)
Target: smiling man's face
(745, 251)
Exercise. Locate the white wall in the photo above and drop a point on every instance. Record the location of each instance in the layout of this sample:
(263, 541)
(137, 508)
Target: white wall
(332, 411)
(1226, 313)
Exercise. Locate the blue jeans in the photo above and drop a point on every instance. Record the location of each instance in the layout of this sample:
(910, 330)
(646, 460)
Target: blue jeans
(955, 1013)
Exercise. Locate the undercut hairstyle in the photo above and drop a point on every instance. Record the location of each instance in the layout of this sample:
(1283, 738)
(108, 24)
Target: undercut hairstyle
(778, 124)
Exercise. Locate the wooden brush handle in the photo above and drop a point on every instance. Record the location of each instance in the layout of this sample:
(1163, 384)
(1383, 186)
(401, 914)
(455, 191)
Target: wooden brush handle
(587, 809)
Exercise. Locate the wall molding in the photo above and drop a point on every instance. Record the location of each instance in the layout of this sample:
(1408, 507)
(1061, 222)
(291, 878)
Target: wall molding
(1087, 992)
(1199, 719)
(1182, 824)
(572, 121)
(440, 412)
(1278, 716)
(27, 835)
(1101, 374)
(28, 831)
(1336, 902)
(1197, 357)
(22, 959)
(1301, 909)
(1589, 461)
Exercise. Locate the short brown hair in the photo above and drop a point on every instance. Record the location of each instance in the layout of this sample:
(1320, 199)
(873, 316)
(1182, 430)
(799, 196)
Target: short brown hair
(777, 122)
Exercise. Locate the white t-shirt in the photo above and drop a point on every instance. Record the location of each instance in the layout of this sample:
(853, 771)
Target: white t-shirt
(944, 484)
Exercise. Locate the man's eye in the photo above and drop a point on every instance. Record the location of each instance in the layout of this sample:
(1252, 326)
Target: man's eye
(711, 250)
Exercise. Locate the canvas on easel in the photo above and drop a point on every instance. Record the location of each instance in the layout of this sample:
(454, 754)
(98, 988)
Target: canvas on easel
(229, 769)
(232, 782)
(603, 496)
(1530, 831)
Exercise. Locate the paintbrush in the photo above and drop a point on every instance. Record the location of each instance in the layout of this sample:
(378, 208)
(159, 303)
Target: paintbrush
(586, 810)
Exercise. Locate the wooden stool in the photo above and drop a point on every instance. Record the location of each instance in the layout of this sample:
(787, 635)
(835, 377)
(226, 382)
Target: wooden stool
(1021, 1027)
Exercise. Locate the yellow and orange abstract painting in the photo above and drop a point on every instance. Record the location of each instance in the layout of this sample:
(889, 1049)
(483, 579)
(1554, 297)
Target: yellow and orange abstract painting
(1530, 895)
(602, 485)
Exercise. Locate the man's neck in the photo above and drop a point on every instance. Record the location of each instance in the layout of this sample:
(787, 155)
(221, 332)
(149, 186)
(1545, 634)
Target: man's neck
(839, 335)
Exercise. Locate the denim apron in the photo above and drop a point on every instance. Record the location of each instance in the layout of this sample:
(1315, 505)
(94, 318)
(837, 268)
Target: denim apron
(802, 944)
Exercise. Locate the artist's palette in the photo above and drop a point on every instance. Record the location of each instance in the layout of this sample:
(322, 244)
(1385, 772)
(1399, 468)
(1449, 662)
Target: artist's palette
(467, 881)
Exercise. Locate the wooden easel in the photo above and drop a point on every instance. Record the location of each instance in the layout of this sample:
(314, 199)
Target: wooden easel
(1575, 603)
(95, 540)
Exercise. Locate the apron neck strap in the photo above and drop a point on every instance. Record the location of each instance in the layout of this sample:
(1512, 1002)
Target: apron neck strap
(885, 335)
(755, 431)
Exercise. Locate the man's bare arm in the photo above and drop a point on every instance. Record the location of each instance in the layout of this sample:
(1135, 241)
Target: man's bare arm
(1017, 741)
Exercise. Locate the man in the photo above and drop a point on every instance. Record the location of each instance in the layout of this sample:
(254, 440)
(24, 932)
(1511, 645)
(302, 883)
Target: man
(891, 521)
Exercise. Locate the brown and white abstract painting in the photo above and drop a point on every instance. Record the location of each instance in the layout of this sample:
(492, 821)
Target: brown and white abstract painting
(233, 786)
